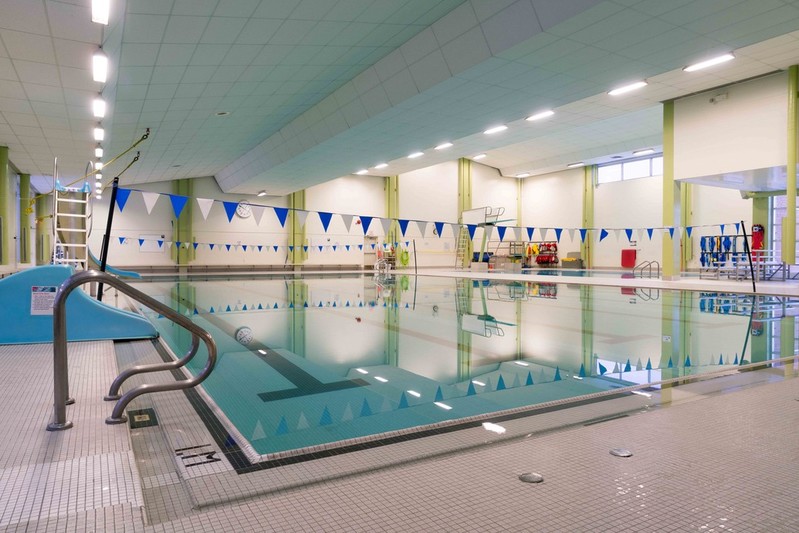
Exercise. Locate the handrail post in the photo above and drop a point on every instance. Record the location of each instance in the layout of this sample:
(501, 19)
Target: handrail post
(60, 370)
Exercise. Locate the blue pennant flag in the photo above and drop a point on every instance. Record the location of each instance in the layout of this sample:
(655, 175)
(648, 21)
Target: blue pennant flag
(320, 248)
(472, 228)
(121, 240)
(326, 419)
(688, 230)
(439, 228)
(671, 232)
(373, 246)
(500, 383)
(211, 310)
(178, 203)
(122, 197)
(403, 224)
(365, 221)
(649, 232)
(291, 248)
(360, 246)
(275, 247)
(305, 248)
(628, 367)
(160, 244)
(281, 213)
(228, 247)
(230, 209)
(629, 234)
(602, 234)
(439, 395)
(501, 232)
(177, 244)
(334, 247)
(582, 371)
(403, 402)
(722, 228)
(195, 244)
(557, 374)
(529, 380)
(325, 218)
(141, 242)
(583, 233)
(602, 369)
(687, 361)
(470, 391)
(530, 233)
(244, 308)
(244, 246)
(211, 246)
(737, 226)
(558, 231)
(260, 247)
(347, 246)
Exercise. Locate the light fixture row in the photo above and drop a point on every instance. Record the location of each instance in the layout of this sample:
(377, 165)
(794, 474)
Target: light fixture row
(100, 12)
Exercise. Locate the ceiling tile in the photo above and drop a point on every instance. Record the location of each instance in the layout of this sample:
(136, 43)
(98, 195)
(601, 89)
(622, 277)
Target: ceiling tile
(222, 30)
(24, 15)
(138, 55)
(11, 89)
(28, 46)
(204, 8)
(40, 73)
(73, 22)
(144, 28)
(292, 32)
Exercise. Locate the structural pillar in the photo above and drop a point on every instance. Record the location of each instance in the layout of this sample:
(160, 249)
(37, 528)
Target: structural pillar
(686, 219)
(671, 198)
(789, 223)
(586, 249)
(296, 230)
(5, 209)
(392, 207)
(183, 224)
(43, 229)
(587, 314)
(297, 292)
(465, 201)
(24, 218)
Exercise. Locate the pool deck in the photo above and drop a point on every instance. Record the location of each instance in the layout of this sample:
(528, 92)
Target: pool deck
(722, 459)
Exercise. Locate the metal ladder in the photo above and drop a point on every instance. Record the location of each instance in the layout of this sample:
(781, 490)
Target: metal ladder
(71, 225)
(462, 248)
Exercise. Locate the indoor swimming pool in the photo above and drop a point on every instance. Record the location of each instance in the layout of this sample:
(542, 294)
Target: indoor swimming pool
(314, 362)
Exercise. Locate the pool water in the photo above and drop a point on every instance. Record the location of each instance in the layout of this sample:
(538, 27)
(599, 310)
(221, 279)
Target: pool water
(317, 361)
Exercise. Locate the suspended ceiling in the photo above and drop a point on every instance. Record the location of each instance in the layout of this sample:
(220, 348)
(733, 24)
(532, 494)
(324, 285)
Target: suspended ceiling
(316, 89)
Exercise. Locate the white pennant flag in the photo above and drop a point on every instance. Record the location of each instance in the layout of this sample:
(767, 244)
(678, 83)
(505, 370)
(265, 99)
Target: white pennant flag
(639, 234)
(514, 233)
(149, 200)
(301, 216)
(544, 232)
(489, 230)
(258, 213)
(571, 232)
(386, 223)
(616, 233)
(347, 221)
(455, 229)
(422, 226)
(205, 206)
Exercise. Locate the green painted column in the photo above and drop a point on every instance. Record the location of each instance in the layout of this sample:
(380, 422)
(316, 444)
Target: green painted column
(24, 218)
(297, 295)
(670, 199)
(586, 248)
(296, 230)
(686, 219)
(463, 290)
(183, 225)
(761, 215)
(787, 325)
(43, 229)
(465, 201)
(392, 207)
(5, 209)
(789, 223)
(587, 318)
(392, 325)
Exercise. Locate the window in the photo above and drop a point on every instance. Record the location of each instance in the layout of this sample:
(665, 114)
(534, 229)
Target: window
(631, 169)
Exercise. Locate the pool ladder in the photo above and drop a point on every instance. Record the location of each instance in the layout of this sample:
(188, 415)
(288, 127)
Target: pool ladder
(61, 378)
(645, 269)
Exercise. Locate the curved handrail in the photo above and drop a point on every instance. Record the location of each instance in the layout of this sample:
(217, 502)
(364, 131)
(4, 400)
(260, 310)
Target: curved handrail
(647, 265)
(61, 380)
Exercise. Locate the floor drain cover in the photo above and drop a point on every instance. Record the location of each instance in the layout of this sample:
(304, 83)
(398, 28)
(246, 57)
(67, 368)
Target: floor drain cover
(531, 478)
(142, 418)
(621, 452)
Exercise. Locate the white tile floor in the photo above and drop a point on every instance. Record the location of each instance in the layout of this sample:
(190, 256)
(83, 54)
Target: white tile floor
(706, 461)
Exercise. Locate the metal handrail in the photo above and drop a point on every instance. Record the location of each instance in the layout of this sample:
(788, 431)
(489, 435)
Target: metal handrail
(61, 378)
(648, 265)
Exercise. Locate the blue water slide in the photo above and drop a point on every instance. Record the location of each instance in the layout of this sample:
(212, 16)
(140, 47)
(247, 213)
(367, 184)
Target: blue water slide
(26, 311)
(115, 271)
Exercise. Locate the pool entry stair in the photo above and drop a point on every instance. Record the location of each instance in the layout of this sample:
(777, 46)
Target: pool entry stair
(71, 225)
(27, 315)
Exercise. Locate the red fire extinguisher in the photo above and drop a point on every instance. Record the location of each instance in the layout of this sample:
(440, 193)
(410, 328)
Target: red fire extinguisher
(757, 237)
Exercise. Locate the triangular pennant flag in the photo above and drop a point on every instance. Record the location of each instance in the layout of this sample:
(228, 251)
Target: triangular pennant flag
(422, 225)
(602, 369)
(205, 206)
(629, 233)
(347, 247)
(121, 240)
(557, 374)
(470, 391)
(141, 242)
(403, 225)
(275, 247)
(301, 217)
(258, 213)
(628, 366)
(365, 409)
(530, 233)
(178, 203)
(365, 222)
(168, 244)
(616, 233)
(177, 244)
(403, 402)
(291, 248)
(529, 380)
(454, 228)
(581, 373)
(688, 230)
(282, 427)
(501, 232)
(302, 423)
(649, 232)
(670, 365)
(602, 234)
(325, 219)
(571, 232)
(543, 232)
(304, 247)
(583, 233)
(326, 419)
(439, 395)
(334, 247)
(472, 228)
(558, 231)
(281, 213)
(228, 247)
(149, 200)
(244, 247)
(360, 246)
(671, 232)
(195, 244)
(500, 383)
(347, 416)
(320, 248)
(122, 197)
(737, 226)
(439, 228)
(386, 223)
(687, 361)
(347, 219)
(722, 228)
(648, 364)
(230, 209)
(211, 246)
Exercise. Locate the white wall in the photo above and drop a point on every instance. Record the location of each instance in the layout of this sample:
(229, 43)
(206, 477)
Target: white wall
(745, 131)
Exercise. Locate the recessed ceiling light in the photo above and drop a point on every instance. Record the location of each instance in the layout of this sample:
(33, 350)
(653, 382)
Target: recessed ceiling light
(361, 370)
(99, 66)
(98, 107)
(98, 152)
(541, 115)
(415, 155)
(98, 196)
(99, 176)
(100, 9)
(381, 165)
(222, 113)
(523, 175)
(575, 165)
(261, 194)
(414, 394)
(362, 172)
(495, 129)
(98, 165)
(443, 146)
(99, 134)
(645, 151)
(627, 88)
(98, 184)
(478, 157)
(443, 405)
(381, 379)
(709, 63)
(478, 383)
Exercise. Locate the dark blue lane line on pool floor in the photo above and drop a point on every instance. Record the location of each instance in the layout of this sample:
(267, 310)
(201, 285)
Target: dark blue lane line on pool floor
(306, 384)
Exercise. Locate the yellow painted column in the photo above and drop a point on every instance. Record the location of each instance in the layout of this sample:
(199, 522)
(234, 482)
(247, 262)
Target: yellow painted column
(686, 219)
(183, 224)
(5, 209)
(586, 249)
(24, 210)
(43, 229)
(465, 200)
(670, 258)
(587, 314)
(789, 223)
(392, 207)
(296, 230)
(297, 293)
(760, 215)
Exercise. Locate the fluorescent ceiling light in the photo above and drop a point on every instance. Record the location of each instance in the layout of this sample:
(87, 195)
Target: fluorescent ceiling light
(98, 184)
(575, 165)
(523, 175)
(100, 9)
(478, 383)
(100, 66)
(381, 165)
(443, 405)
(577, 377)
(640, 393)
(495, 129)
(709, 63)
(98, 152)
(362, 172)
(645, 151)
(415, 155)
(361, 370)
(478, 157)
(522, 363)
(541, 115)
(262, 352)
(98, 176)
(99, 196)
(98, 165)
(414, 394)
(443, 146)
(627, 88)
(98, 107)
(99, 134)
(495, 428)
(261, 194)
(381, 380)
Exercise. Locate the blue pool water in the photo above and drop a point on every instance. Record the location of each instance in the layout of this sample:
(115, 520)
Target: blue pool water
(319, 360)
